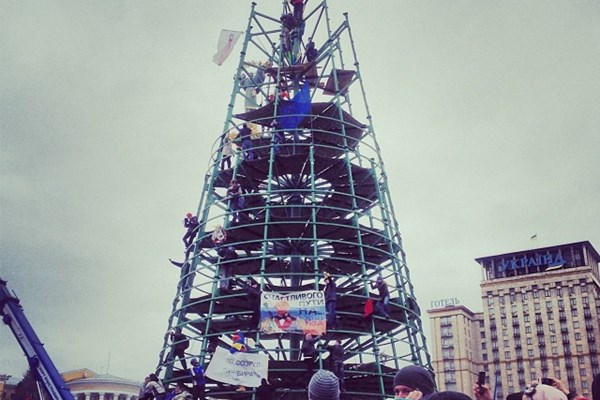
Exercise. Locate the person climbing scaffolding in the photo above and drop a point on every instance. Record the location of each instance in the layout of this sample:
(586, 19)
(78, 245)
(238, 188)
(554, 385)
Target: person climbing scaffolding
(191, 223)
(179, 343)
(227, 151)
(330, 300)
(384, 296)
(236, 199)
(247, 152)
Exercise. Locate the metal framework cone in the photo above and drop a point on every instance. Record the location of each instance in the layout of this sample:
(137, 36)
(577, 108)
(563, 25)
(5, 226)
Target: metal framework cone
(313, 200)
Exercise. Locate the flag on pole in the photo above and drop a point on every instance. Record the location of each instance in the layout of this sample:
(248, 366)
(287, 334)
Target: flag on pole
(227, 40)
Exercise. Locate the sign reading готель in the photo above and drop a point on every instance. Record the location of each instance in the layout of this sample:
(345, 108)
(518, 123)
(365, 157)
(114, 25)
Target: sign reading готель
(445, 303)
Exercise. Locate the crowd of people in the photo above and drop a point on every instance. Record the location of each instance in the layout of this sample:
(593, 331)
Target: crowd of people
(411, 382)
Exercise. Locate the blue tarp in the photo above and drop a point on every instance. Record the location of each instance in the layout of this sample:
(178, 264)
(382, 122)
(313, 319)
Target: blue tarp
(292, 112)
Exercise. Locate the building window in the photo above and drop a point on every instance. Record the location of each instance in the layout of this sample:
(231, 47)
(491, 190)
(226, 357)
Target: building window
(573, 302)
(555, 362)
(582, 372)
(529, 341)
(526, 318)
(561, 303)
(530, 353)
(549, 305)
(554, 350)
(574, 312)
(490, 300)
(547, 293)
(580, 360)
(483, 335)
(552, 328)
(527, 329)
(577, 336)
(575, 324)
(507, 355)
(559, 292)
(585, 300)
(571, 291)
(579, 348)
(537, 307)
(483, 346)
(506, 343)
(513, 297)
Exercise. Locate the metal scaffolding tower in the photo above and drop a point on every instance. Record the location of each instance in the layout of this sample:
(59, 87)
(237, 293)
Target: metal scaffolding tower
(313, 199)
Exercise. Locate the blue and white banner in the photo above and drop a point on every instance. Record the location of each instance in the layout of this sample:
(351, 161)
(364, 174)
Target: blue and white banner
(246, 369)
(298, 312)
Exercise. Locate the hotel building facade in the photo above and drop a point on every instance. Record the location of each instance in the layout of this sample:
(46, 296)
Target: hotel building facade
(541, 318)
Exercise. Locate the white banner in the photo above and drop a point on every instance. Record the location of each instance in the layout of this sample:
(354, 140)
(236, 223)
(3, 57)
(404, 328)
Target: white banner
(227, 40)
(246, 369)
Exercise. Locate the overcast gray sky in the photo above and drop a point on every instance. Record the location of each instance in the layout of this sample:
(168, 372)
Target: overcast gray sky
(487, 113)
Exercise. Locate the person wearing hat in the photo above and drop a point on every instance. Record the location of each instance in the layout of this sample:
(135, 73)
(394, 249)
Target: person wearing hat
(198, 380)
(324, 385)
(413, 382)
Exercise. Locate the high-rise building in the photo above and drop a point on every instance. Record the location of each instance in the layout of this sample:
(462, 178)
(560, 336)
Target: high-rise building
(540, 319)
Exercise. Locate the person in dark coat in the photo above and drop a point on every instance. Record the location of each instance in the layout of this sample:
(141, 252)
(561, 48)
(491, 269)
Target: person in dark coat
(180, 343)
(309, 352)
(311, 51)
(298, 6)
(247, 152)
(253, 296)
(265, 391)
(338, 355)
(414, 381)
(330, 300)
(596, 387)
(236, 200)
(191, 223)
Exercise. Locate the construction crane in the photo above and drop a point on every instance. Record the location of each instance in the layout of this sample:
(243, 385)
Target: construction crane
(45, 372)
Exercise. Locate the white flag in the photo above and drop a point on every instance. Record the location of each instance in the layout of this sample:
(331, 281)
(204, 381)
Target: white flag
(239, 368)
(227, 40)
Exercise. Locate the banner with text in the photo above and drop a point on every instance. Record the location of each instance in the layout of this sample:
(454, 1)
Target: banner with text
(246, 369)
(298, 312)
